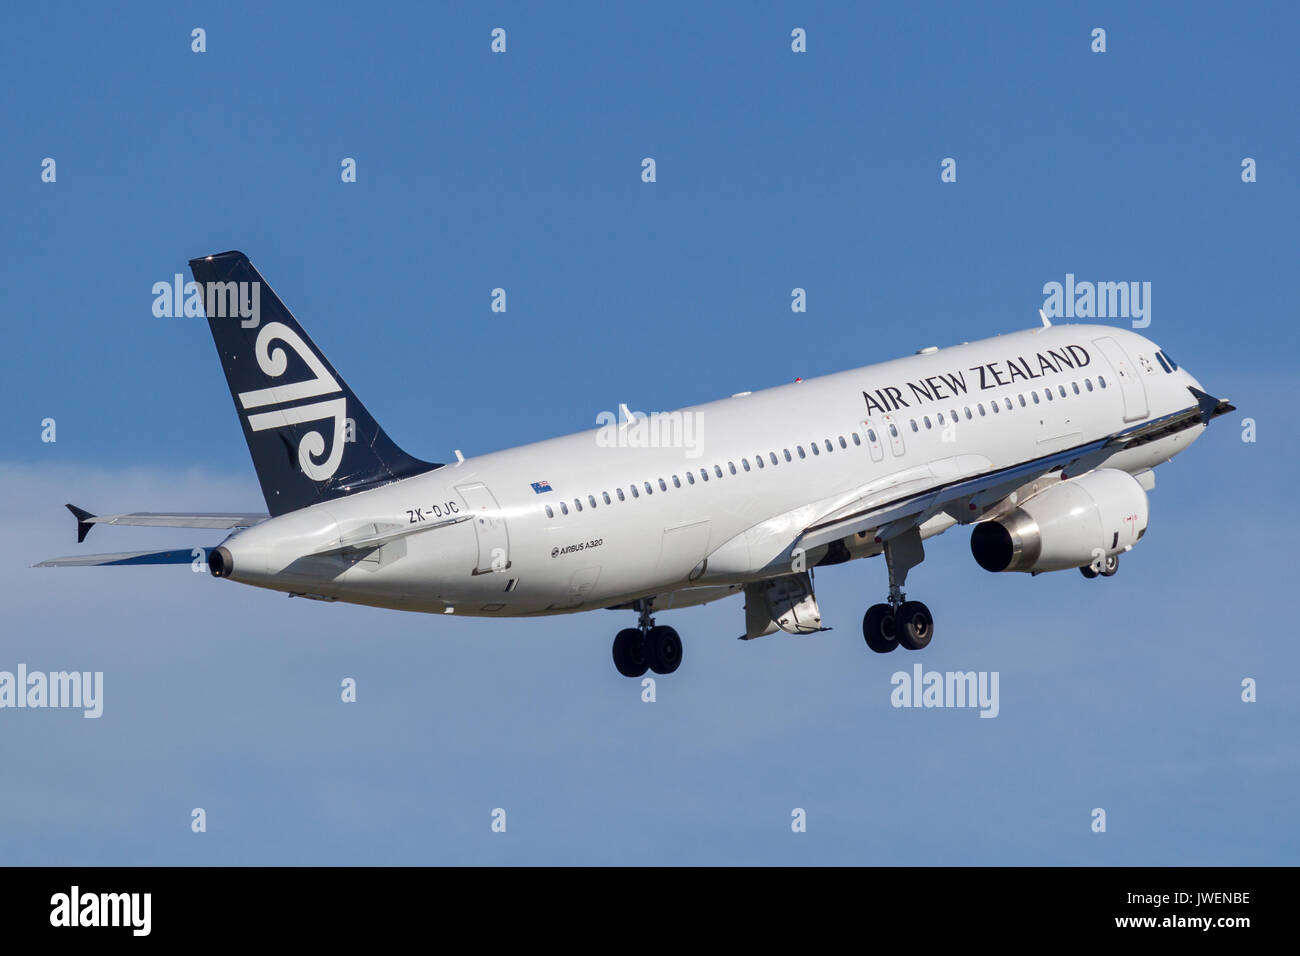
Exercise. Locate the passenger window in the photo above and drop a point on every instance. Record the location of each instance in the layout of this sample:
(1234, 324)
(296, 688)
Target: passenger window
(704, 473)
(744, 463)
(677, 482)
(690, 477)
(635, 493)
(1101, 380)
(564, 509)
(1061, 390)
(717, 470)
(1035, 395)
(1075, 386)
(926, 419)
(1048, 393)
(980, 406)
(758, 459)
(605, 495)
(953, 415)
(1009, 405)
(619, 493)
(1022, 399)
(773, 456)
(591, 500)
(1087, 383)
(939, 415)
(648, 489)
(731, 467)
(786, 451)
(913, 423)
(829, 446)
(892, 430)
(549, 512)
(871, 434)
(856, 439)
(994, 405)
(577, 503)
(815, 449)
(843, 443)
(799, 448)
(969, 416)
(663, 485)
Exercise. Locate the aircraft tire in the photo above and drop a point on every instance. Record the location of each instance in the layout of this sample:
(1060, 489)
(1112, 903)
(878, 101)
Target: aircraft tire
(878, 628)
(914, 625)
(629, 653)
(663, 649)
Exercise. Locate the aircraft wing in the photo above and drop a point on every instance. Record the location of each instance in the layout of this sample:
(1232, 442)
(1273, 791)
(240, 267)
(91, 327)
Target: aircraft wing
(912, 497)
(1206, 409)
(890, 511)
(154, 519)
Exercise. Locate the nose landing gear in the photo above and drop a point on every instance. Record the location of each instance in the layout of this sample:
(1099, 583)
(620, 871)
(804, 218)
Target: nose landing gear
(1106, 567)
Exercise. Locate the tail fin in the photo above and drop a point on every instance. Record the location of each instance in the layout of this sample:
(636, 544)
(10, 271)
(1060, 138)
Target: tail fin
(311, 439)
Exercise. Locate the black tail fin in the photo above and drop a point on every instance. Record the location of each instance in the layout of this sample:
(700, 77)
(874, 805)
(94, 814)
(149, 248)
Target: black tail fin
(311, 439)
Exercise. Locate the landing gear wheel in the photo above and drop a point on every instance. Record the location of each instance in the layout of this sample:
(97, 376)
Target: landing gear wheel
(1109, 566)
(629, 653)
(663, 650)
(1088, 571)
(878, 628)
(914, 625)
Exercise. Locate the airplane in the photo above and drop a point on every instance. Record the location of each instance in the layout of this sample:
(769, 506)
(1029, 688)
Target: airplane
(1043, 441)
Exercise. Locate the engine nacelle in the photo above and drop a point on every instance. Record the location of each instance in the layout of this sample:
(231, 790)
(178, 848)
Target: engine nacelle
(786, 602)
(1069, 525)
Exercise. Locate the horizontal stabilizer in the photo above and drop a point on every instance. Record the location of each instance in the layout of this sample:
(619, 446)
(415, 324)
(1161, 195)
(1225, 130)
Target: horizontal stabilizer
(154, 519)
(181, 556)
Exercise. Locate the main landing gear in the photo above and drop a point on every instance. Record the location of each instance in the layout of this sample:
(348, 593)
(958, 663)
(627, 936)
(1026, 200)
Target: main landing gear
(647, 647)
(909, 623)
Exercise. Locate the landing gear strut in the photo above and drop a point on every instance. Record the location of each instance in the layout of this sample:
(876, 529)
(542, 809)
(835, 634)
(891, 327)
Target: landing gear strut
(909, 623)
(647, 647)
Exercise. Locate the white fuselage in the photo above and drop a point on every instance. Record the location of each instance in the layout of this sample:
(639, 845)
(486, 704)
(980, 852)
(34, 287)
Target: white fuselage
(519, 552)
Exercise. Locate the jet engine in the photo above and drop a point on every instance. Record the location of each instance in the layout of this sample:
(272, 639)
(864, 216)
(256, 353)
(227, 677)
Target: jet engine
(1072, 524)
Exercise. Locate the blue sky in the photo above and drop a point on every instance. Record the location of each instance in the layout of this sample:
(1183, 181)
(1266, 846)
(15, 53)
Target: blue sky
(775, 170)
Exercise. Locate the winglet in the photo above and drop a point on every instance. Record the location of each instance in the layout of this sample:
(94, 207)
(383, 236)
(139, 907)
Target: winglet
(83, 523)
(1210, 406)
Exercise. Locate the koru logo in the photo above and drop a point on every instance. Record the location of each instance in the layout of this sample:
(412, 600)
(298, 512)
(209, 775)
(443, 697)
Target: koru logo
(274, 362)
(555, 552)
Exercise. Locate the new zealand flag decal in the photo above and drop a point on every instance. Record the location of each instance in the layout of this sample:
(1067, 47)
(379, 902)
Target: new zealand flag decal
(540, 487)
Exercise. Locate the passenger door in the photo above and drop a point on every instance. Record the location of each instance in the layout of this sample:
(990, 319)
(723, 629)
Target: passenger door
(1126, 376)
(489, 525)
